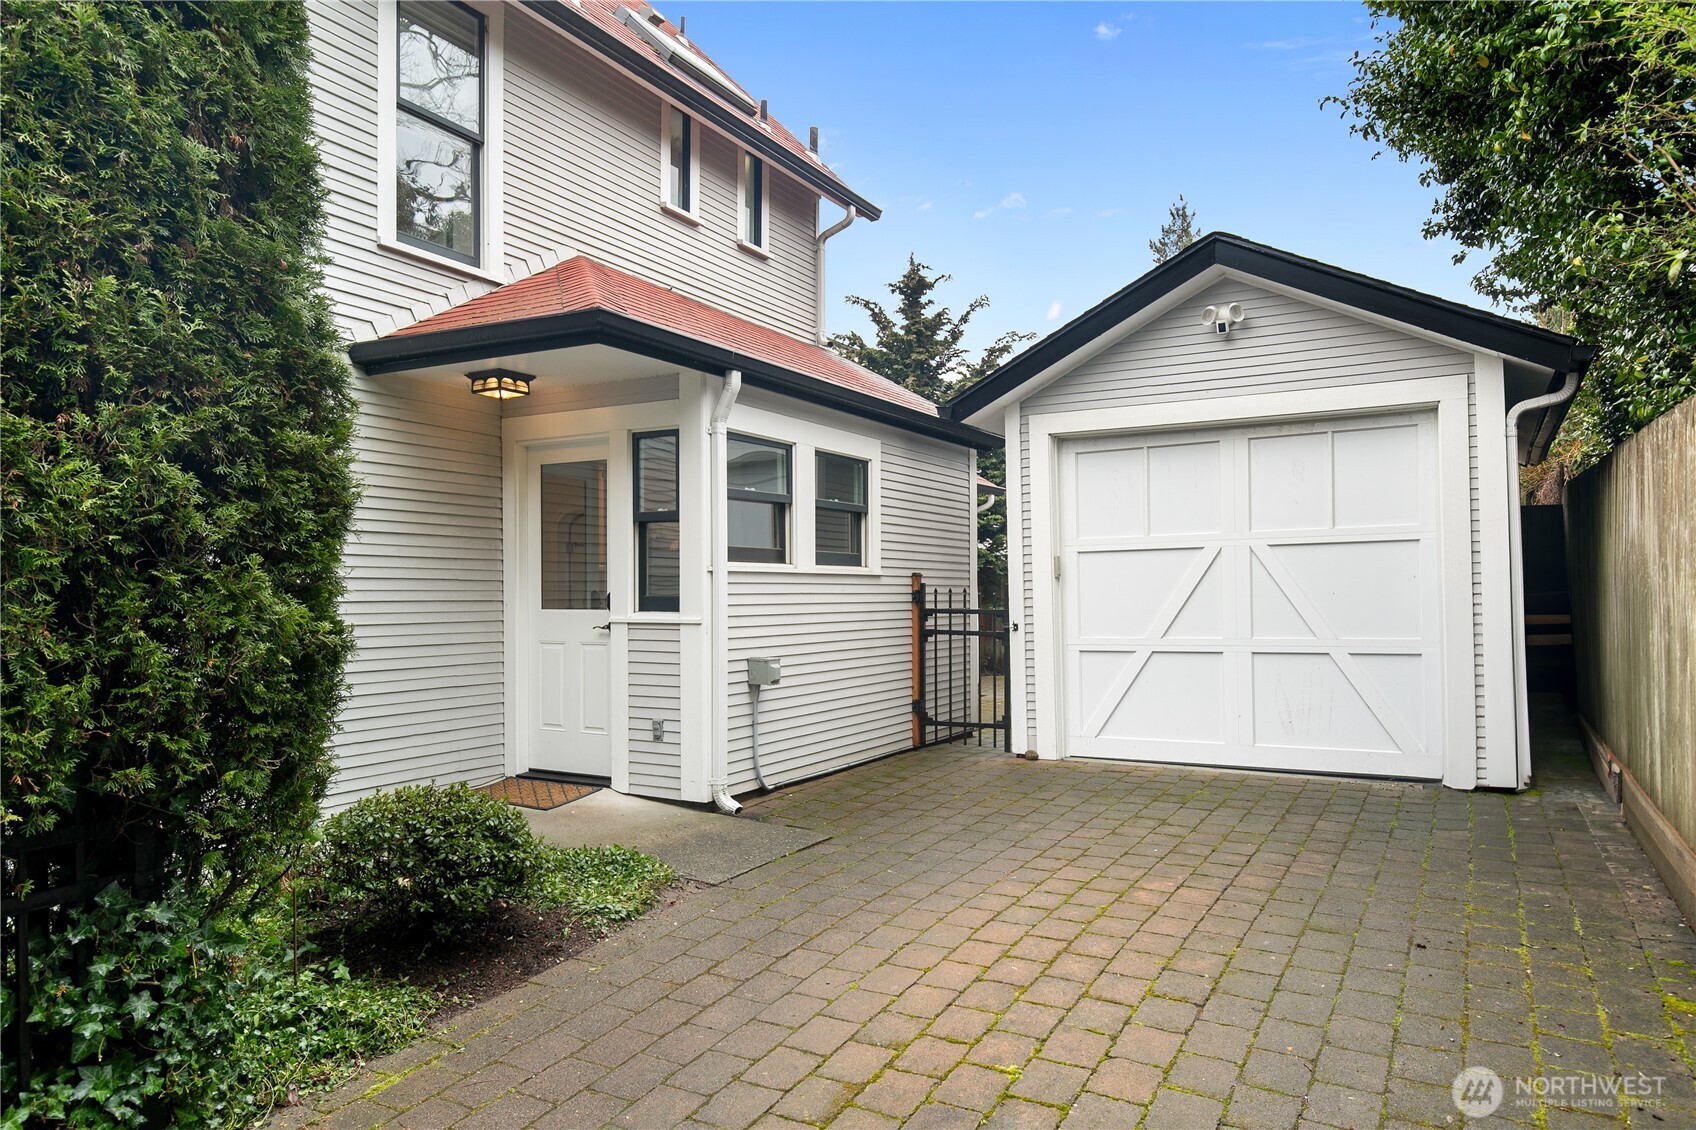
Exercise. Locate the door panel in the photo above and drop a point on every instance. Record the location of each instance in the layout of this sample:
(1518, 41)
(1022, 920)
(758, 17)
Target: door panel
(1260, 596)
(570, 678)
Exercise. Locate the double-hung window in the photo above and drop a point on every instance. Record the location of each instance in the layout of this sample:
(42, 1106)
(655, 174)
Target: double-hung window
(439, 128)
(679, 160)
(658, 565)
(753, 201)
(839, 530)
(759, 477)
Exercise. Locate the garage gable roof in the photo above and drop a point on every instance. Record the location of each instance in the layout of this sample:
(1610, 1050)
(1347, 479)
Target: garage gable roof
(1490, 333)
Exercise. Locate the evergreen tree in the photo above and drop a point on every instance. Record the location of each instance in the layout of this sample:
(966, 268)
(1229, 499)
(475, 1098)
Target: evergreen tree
(176, 429)
(918, 346)
(1177, 233)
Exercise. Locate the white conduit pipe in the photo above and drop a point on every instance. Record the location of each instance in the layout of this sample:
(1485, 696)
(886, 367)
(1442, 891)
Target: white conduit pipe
(718, 769)
(1516, 572)
(754, 721)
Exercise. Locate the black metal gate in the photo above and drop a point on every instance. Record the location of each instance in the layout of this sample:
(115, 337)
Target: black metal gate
(960, 664)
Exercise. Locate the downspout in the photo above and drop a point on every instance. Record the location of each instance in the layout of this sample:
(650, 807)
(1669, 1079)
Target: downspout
(718, 770)
(1516, 573)
(835, 229)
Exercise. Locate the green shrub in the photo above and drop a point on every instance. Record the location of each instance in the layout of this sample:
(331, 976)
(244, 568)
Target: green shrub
(155, 1015)
(175, 433)
(599, 886)
(422, 855)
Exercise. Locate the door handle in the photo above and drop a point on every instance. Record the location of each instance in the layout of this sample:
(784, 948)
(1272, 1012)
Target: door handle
(607, 627)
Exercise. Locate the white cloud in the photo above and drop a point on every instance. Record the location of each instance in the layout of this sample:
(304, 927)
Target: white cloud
(1107, 31)
(1109, 213)
(1011, 200)
(1054, 310)
(925, 207)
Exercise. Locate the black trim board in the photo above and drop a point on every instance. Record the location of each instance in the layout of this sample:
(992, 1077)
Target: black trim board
(604, 327)
(680, 90)
(1556, 352)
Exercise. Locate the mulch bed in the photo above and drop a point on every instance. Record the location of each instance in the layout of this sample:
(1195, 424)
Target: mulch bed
(478, 963)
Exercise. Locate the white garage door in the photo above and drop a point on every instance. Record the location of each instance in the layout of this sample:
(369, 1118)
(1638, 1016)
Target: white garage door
(1262, 597)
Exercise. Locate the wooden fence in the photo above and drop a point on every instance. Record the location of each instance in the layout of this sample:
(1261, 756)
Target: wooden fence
(1631, 545)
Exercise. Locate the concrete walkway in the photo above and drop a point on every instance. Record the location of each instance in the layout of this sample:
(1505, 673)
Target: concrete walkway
(990, 941)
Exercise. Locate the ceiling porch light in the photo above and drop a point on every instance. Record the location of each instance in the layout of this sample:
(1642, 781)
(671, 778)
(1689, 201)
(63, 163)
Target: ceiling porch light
(500, 384)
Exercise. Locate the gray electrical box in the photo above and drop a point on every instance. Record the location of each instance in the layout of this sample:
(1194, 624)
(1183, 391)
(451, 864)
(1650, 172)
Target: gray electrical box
(764, 672)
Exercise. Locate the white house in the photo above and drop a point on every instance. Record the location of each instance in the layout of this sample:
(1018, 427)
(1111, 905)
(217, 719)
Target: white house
(606, 460)
(1267, 516)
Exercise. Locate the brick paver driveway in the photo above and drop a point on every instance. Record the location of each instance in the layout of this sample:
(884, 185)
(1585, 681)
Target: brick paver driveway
(1084, 944)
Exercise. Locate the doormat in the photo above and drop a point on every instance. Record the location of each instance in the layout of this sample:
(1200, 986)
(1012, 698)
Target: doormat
(526, 792)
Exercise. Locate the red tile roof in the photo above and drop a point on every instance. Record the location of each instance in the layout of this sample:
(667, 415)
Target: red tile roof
(604, 14)
(581, 284)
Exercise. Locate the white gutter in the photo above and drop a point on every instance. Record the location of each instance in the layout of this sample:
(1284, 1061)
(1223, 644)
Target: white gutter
(718, 694)
(835, 229)
(1516, 572)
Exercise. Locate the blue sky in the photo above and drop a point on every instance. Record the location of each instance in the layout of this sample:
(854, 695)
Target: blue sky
(1031, 149)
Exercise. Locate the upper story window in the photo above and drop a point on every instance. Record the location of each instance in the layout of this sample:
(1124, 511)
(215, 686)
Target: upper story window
(679, 160)
(839, 528)
(439, 127)
(759, 476)
(753, 201)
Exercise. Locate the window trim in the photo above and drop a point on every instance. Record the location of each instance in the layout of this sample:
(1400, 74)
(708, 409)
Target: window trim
(785, 553)
(691, 212)
(642, 519)
(744, 238)
(852, 561)
(806, 437)
(490, 185)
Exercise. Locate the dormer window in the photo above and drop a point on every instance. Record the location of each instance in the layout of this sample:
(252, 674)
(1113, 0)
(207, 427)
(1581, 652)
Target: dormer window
(439, 128)
(680, 160)
(753, 193)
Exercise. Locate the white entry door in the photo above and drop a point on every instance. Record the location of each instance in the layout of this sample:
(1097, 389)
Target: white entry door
(569, 711)
(1258, 596)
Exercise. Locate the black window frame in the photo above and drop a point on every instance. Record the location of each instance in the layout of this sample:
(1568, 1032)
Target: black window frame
(645, 518)
(685, 185)
(856, 560)
(760, 555)
(753, 200)
(476, 140)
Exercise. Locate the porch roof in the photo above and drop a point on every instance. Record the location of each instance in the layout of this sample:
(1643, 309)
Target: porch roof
(582, 302)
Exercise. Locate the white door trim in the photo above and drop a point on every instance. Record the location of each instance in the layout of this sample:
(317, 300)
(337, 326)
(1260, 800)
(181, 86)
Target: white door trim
(519, 436)
(1447, 395)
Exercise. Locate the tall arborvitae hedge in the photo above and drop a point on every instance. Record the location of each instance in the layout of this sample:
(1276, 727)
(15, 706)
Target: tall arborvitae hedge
(176, 432)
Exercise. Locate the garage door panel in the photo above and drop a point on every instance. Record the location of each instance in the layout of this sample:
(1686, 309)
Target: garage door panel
(1111, 498)
(1377, 476)
(1183, 489)
(1175, 696)
(1290, 482)
(1274, 616)
(1305, 700)
(1126, 591)
(1363, 590)
(1300, 631)
(1202, 614)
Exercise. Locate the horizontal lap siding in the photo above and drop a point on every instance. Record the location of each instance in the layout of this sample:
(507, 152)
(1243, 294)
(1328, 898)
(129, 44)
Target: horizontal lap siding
(423, 569)
(656, 768)
(1283, 344)
(845, 641)
(583, 170)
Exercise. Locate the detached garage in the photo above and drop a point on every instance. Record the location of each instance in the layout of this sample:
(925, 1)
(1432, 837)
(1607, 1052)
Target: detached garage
(1266, 511)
